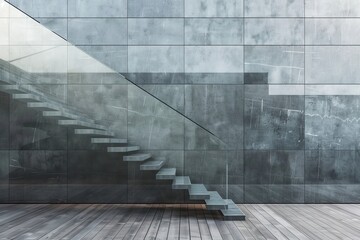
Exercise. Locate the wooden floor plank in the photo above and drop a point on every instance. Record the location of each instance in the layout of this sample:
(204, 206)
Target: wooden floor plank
(145, 225)
(214, 231)
(122, 214)
(178, 221)
(203, 226)
(77, 225)
(313, 221)
(24, 225)
(249, 226)
(285, 223)
(135, 224)
(193, 222)
(343, 229)
(155, 224)
(184, 223)
(298, 223)
(257, 223)
(174, 228)
(275, 222)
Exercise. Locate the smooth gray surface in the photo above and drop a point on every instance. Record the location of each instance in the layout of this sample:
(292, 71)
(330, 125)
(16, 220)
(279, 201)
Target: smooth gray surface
(206, 59)
(99, 8)
(97, 31)
(213, 8)
(274, 8)
(156, 8)
(337, 8)
(283, 65)
(320, 62)
(266, 31)
(156, 31)
(213, 31)
(155, 59)
(332, 31)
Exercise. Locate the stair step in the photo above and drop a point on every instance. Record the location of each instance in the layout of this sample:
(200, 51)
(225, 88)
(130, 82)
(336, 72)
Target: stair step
(166, 174)
(27, 97)
(12, 89)
(181, 182)
(44, 106)
(65, 115)
(216, 202)
(123, 149)
(80, 123)
(233, 212)
(152, 165)
(108, 140)
(93, 132)
(198, 192)
(139, 157)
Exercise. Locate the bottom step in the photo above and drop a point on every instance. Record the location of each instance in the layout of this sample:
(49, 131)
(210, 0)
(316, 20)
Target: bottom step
(233, 212)
(215, 202)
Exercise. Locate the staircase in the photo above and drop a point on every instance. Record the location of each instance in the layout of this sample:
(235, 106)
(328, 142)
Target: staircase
(12, 83)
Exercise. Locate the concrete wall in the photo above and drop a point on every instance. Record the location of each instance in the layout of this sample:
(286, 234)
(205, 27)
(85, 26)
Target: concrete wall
(192, 54)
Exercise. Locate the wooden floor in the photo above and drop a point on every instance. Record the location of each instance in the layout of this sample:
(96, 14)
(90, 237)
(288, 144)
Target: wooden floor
(85, 221)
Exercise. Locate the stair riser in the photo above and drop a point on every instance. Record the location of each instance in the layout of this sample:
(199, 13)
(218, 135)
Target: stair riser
(199, 197)
(60, 116)
(149, 168)
(165, 177)
(136, 159)
(108, 141)
(123, 150)
(176, 187)
(133, 160)
(93, 133)
(25, 98)
(216, 207)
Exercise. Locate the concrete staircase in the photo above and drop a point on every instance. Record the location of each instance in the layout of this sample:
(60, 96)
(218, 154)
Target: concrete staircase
(100, 135)
(15, 81)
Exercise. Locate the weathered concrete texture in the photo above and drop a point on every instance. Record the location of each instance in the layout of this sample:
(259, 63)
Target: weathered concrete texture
(273, 122)
(332, 122)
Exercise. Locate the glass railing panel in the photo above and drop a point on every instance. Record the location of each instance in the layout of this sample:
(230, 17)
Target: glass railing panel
(63, 75)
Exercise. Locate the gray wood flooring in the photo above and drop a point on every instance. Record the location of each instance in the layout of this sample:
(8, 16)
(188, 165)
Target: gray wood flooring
(177, 221)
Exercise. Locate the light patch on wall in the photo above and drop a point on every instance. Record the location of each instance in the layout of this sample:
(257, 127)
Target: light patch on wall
(314, 90)
(286, 89)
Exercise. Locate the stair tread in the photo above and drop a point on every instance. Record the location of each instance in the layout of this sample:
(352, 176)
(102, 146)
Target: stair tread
(198, 192)
(77, 122)
(215, 202)
(12, 89)
(198, 188)
(26, 96)
(166, 173)
(233, 212)
(137, 157)
(93, 132)
(44, 105)
(181, 182)
(108, 140)
(123, 149)
(152, 165)
(66, 116)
